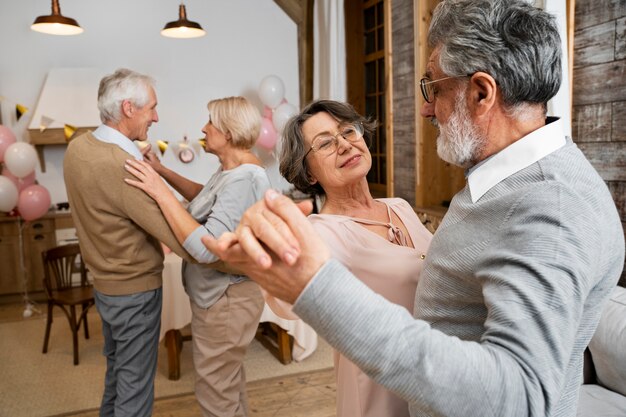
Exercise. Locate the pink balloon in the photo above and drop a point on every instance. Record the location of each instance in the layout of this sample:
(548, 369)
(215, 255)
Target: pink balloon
(267, 112)
(34, 202)
(267, 137)
(20, 183)
(7, 138)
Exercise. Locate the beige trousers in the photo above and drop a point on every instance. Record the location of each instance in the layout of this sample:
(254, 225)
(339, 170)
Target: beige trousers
(221, 335)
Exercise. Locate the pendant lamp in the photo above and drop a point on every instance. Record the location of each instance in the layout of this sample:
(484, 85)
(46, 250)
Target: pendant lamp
(56, 23)
(182, 28)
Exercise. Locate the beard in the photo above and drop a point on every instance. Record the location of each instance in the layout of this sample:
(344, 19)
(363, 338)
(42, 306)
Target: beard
(459, 141)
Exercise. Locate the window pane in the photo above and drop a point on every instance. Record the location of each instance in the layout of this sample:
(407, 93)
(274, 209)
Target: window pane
(381, 39)
(372, 176)
(370, 42)
(370, 77)
(370, 106)
(369, 18)
(374, 84)
(381, 75)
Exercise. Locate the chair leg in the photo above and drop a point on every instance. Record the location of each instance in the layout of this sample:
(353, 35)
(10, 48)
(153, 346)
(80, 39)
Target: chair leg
(84, 316)
(48, 325)
(74, 333)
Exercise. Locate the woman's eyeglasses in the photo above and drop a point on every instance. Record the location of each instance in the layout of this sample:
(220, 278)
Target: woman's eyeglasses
(327, 144)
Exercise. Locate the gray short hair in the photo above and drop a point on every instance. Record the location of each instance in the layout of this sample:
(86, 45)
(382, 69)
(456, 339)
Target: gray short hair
(516, 43)
(123, 84)
(292, 164)
(238, 117)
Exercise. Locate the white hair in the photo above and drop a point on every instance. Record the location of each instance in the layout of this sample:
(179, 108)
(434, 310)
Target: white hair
(123, 84)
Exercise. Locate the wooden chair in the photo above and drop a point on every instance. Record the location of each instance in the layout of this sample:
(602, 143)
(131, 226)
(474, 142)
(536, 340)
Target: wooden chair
(59, 265)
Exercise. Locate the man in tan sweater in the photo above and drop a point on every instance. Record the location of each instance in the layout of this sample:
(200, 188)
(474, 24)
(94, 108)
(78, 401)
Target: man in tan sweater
(120, 230)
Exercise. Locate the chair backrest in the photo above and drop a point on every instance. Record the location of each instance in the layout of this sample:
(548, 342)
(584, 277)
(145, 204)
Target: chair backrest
(59, 264)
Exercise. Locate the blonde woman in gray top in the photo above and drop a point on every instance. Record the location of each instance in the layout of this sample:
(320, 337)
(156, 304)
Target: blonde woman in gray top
(225, 307)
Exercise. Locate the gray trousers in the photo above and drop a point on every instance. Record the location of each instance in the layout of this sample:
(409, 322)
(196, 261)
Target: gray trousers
(130, 325)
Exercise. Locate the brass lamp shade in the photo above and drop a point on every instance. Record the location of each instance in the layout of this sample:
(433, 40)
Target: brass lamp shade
(56, 24)
(182, 28)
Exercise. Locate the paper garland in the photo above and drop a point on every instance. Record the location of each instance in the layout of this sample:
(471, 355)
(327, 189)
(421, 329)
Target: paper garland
(162, 144)
(19, 111)
(69, 131)
(44, 123)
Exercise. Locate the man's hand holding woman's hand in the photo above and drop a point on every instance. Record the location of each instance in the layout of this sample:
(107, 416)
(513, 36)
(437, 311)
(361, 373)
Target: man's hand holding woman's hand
(275, 245)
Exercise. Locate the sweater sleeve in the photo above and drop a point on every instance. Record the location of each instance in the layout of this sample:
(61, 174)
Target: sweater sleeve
(535, 280)
(145, 212)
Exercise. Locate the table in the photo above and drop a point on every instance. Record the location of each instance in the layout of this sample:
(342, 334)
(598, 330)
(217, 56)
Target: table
(176, 314)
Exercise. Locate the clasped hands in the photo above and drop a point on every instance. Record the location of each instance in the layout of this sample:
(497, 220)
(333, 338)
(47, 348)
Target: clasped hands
(275, 245)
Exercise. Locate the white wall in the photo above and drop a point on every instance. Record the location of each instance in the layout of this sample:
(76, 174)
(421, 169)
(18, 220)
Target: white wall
(246, 40)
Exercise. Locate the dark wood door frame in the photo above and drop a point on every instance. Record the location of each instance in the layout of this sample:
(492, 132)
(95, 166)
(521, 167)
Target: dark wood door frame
(301, 12)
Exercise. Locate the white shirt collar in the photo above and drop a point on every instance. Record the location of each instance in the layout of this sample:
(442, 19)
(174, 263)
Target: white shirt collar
(515, 157)
(107, 134)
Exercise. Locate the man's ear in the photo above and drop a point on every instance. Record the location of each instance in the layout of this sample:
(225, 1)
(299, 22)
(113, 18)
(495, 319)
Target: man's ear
(127, 108)
(482, 93)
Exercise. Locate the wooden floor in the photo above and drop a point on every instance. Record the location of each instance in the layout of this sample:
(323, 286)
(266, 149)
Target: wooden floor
(310, 394)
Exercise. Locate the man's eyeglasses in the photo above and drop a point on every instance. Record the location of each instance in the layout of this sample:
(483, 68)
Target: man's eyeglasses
(327, 144)
(426, 85)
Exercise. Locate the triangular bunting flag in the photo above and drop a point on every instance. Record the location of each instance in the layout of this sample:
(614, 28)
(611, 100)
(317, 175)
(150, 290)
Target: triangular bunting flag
(69, 131)
(162, 145)
(44, 123)
(20, 110)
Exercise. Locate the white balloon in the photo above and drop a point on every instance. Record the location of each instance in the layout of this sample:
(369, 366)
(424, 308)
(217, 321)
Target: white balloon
(283, 113)
(271, 91)
(21, 159)
(8, 194)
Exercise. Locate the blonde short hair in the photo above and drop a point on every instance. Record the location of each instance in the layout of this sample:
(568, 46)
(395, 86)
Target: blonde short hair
(238, 117)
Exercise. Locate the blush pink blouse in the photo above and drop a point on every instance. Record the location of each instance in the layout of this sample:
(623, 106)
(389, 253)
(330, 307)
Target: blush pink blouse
(391, 269)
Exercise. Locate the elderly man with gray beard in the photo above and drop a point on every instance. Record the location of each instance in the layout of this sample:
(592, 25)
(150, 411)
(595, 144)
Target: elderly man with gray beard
(522, 264)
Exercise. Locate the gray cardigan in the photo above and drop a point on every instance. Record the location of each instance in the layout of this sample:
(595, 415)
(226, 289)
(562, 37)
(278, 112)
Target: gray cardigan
(510, 295)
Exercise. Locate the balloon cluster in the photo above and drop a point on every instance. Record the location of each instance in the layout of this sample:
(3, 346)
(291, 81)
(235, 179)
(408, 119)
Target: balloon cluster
(18, 189)
(276, 111)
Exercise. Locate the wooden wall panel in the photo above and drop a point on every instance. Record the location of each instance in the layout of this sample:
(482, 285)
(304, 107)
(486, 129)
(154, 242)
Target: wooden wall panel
(620, 38)
(618, 191)
(592, 12)
(594, 45)
(404, 113)
(608, 158)
(592, 123)
(600, 83)
(618, 124)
